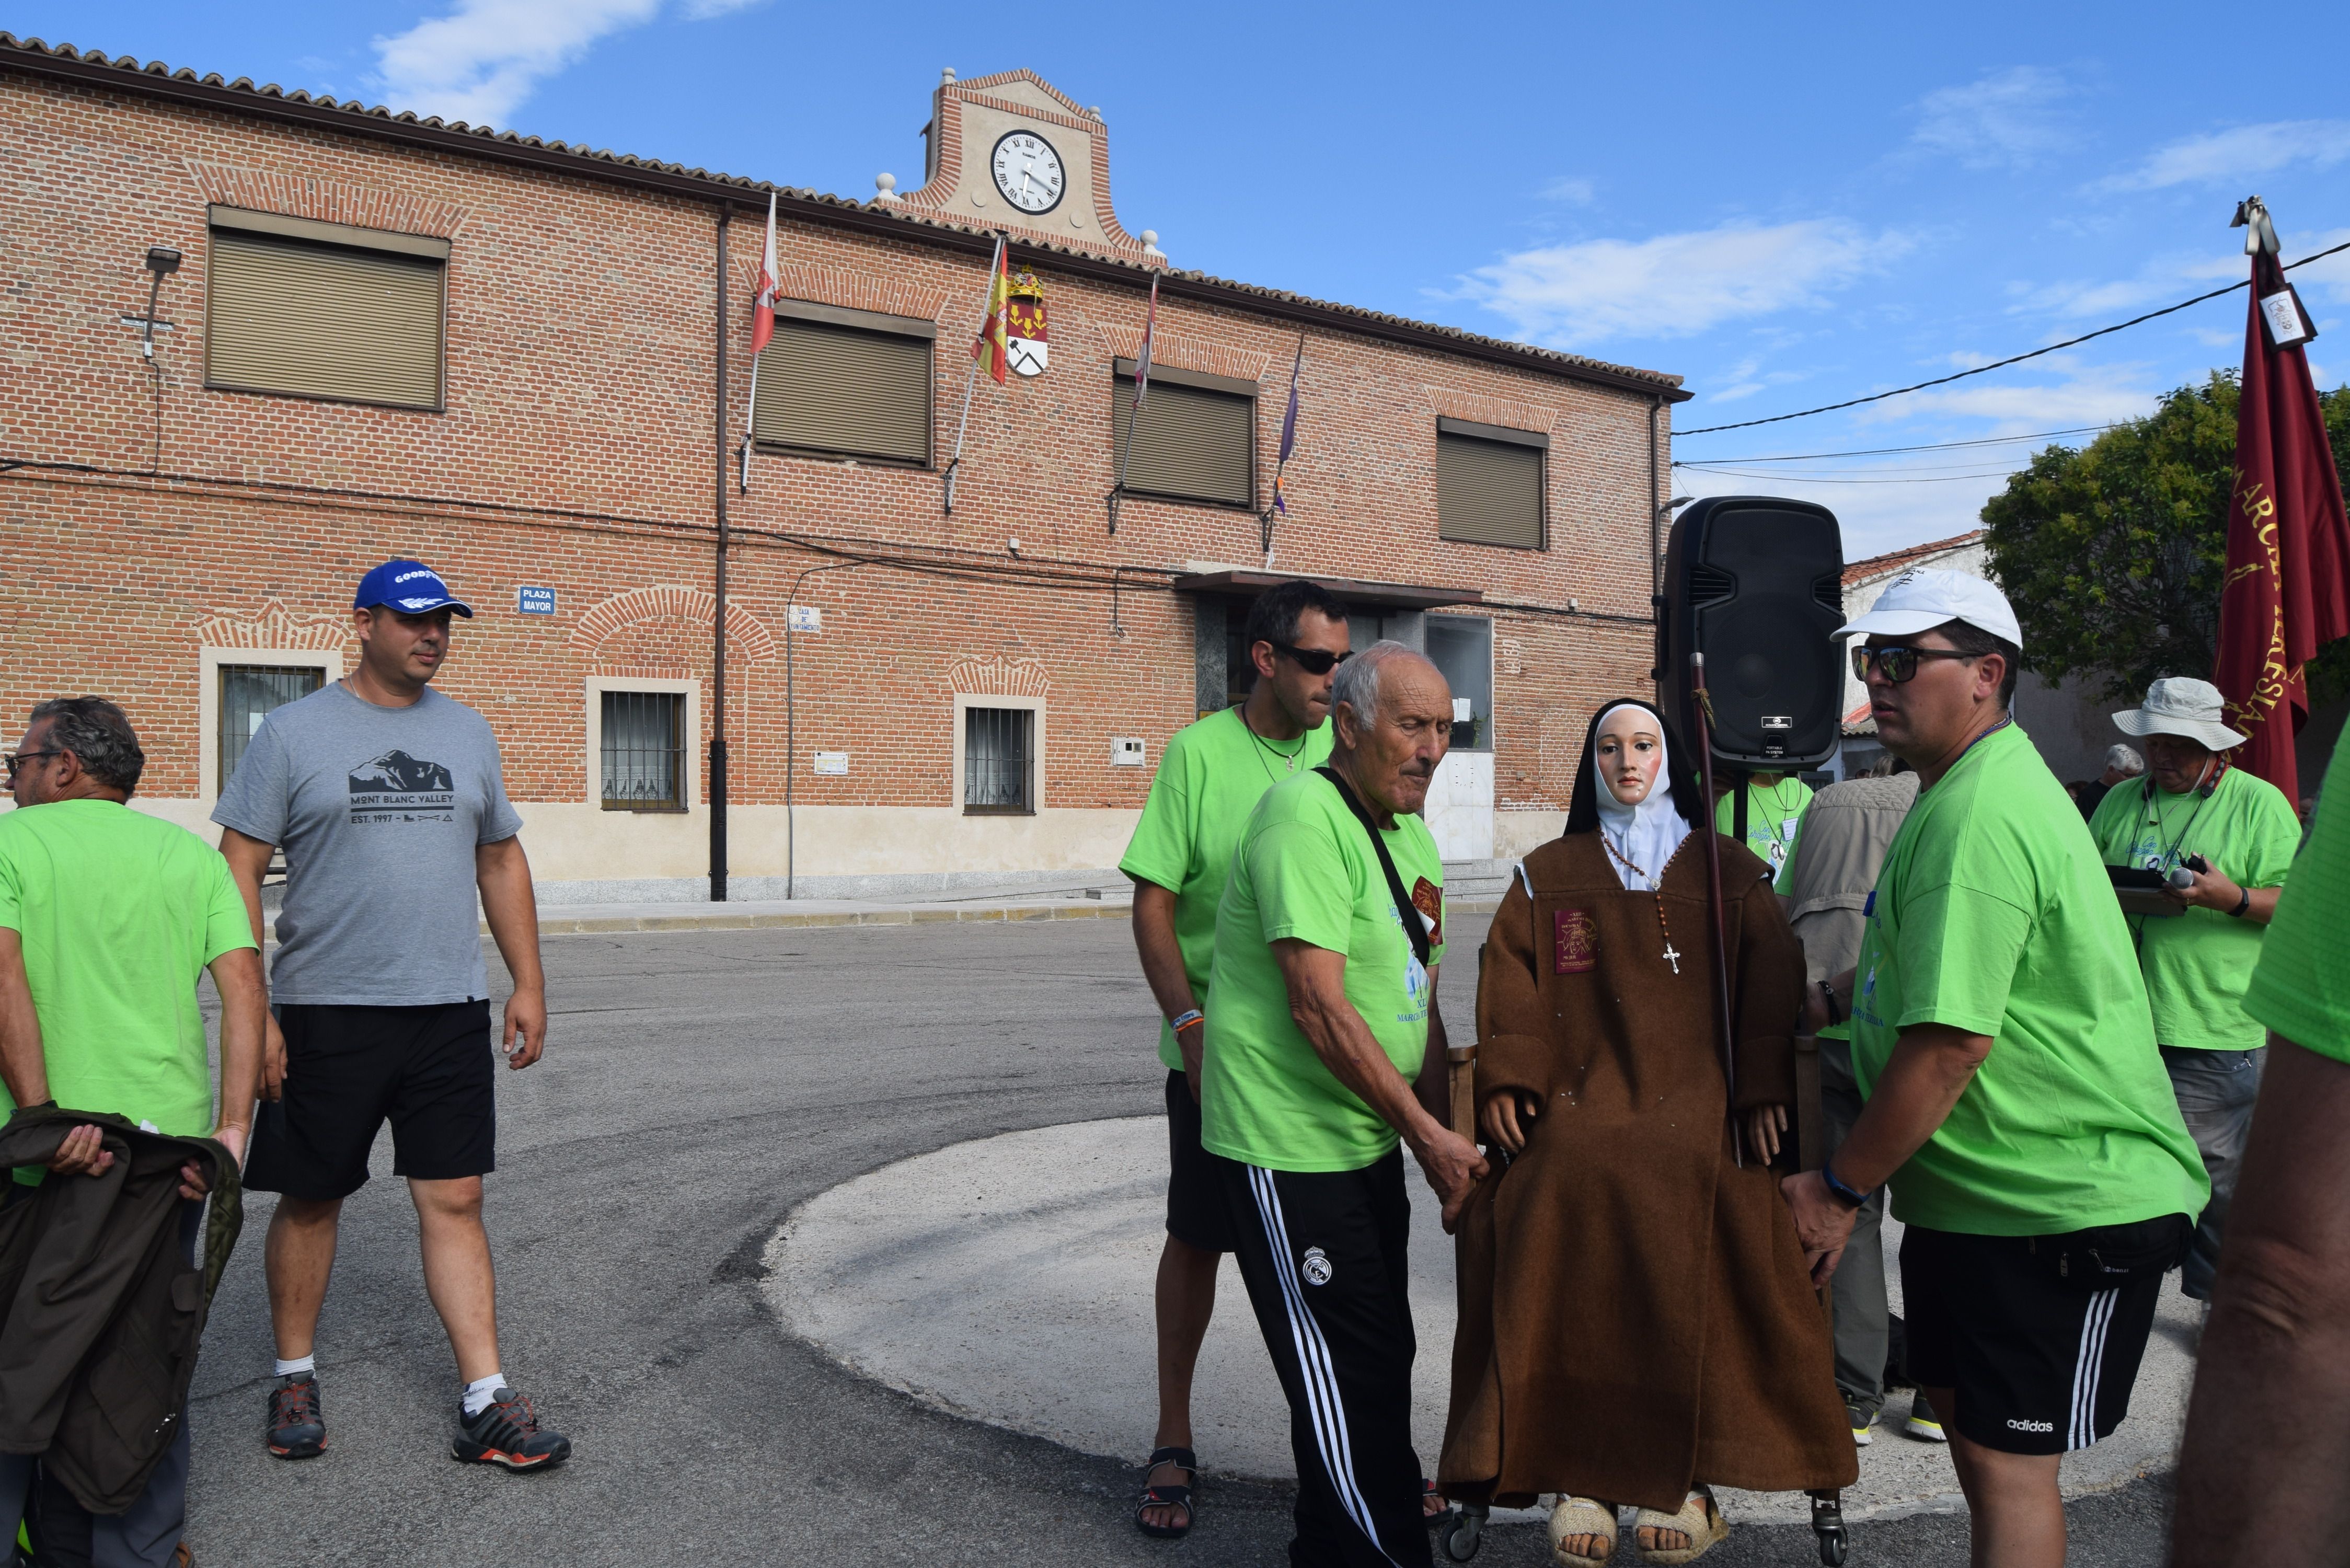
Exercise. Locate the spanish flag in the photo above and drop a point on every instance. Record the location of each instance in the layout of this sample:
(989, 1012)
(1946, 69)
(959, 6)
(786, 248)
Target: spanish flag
(990, 350)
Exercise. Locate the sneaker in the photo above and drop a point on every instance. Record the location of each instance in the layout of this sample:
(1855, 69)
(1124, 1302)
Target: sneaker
(506, 1433)
(1861, 1420)
(1924, 1423)
(297, 1428)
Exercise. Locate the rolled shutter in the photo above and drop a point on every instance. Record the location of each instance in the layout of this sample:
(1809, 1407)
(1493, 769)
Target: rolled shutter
(831, 389)
(1489, 492)
(323, 321)
(1189, 441)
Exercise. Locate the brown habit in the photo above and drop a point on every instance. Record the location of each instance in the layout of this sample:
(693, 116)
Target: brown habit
(1635, 1312)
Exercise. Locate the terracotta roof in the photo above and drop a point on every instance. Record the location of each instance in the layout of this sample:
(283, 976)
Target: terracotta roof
(1883, 565)
(153, 77)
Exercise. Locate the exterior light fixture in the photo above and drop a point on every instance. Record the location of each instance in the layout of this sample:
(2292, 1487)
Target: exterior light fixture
(162, 261)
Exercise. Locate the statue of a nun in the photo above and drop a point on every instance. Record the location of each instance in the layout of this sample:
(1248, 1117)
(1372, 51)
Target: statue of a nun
(1638, 1324)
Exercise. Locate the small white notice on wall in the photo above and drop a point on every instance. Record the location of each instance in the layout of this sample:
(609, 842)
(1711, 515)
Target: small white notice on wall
(1125, 751)
(809, 618)
(832, 764)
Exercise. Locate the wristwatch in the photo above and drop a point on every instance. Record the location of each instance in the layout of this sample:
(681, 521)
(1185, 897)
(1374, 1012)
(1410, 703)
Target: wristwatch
(1850, 1197)
(2243, 902)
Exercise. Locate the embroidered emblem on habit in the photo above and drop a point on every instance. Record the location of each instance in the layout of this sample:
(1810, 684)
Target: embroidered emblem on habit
(1315, 1266)
(1429, 900)
(1577, 946)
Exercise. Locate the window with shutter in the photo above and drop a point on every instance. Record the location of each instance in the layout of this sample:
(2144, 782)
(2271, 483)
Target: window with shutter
(1488, 484)
(1194, 437)
(323, 310)
(845, 391)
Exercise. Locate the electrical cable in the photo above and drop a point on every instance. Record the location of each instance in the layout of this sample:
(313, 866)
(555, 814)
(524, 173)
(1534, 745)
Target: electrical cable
(1808, 479)
(2001, 364)
(1894, 450)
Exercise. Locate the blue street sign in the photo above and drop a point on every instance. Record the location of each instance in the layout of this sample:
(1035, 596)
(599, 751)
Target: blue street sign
(535, 601)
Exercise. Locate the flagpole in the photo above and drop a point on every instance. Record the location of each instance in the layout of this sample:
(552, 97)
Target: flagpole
(1281, 464)
(1141, 376)
(970, 380)
(750, 428)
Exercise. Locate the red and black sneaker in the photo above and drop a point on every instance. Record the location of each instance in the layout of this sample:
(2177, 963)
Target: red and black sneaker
(506, 1433)
(298, 1428)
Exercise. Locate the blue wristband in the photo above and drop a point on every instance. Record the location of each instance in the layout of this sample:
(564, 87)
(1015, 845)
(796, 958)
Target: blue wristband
(1848, 1196)
(1182, 1021)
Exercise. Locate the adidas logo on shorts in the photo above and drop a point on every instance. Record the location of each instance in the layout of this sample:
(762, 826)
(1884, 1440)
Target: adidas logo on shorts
(2015, 1425)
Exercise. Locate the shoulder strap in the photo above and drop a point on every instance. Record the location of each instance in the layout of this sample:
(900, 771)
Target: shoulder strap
(1414, 926)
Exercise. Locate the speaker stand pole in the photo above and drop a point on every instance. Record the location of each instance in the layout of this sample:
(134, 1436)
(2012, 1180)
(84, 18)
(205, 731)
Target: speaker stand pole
(1701, 709)
(1743, 783)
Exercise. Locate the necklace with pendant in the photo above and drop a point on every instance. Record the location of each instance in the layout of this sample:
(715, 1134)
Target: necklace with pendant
(1288, 759)
(1664, 925)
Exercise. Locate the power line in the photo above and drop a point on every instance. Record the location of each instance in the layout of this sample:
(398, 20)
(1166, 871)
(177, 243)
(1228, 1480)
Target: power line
(2001, 364)
(1890, 451)
(1806, 479)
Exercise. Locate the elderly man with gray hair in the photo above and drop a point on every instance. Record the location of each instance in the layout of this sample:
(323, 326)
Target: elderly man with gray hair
(1325, 1051)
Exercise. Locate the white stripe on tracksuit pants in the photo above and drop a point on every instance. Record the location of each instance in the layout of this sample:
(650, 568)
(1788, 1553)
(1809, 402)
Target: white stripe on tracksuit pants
(1324, 1257)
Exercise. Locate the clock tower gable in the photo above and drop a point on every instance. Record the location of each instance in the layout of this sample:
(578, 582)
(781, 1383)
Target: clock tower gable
(997, 144)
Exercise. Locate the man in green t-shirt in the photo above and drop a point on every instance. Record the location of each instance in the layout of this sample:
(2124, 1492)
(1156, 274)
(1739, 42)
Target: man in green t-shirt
(2015, 1100)
(1208, 782)
(2236, 835)
(1324, 1049)
(2278, 1342)
(108, 918)
(1774, 813)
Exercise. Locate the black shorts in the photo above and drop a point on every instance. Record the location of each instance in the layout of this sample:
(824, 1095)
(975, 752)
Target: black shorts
(1196, 1210)
(2039, 1364)
(430, 1070)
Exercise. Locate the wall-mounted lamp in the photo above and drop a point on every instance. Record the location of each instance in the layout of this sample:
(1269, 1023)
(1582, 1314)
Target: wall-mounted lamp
(162, 261)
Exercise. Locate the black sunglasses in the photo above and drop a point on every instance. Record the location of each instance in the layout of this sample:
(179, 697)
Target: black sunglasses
(1899, 664)
(1312, 660)
(16, 760)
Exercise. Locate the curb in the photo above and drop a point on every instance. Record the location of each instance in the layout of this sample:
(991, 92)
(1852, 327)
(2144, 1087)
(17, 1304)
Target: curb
(552, 923)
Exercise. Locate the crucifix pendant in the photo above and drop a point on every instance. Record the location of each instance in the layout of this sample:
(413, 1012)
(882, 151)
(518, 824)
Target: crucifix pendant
(1672, 957)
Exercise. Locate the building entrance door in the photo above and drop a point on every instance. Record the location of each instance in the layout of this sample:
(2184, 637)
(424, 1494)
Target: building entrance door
(1459, 810)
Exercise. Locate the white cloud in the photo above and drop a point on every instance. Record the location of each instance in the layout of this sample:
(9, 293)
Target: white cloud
(2093, 394)
(1674, 285)
(2236, 154)
(482, 61)
(2007, 119)
(1575, 193)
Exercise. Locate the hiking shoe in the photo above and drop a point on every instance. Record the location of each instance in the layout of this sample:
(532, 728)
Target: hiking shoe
(298, 1428)
(1861, 1420)
(506, 1433)
(1924, 1423)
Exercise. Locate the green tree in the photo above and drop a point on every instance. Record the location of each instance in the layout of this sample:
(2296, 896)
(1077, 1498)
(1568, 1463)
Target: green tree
(2114, 554)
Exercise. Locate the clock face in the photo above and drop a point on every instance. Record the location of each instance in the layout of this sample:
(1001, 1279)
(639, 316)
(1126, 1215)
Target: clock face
(1028, 171)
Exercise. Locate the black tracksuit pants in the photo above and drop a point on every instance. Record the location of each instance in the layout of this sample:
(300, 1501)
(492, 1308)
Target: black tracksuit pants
(1323, 1255)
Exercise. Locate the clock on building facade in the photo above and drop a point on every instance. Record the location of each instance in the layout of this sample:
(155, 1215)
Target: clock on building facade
(1027, 171)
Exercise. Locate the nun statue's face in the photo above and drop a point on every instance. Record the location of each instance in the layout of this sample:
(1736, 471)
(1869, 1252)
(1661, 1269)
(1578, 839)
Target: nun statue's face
(1631, 754)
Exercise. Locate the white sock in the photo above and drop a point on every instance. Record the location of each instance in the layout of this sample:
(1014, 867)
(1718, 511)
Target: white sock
(478, 1392)
(305, 1364)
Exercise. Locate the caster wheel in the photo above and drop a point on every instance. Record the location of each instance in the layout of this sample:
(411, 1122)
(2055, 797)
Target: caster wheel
(1832, 1550)
(1465, 1535)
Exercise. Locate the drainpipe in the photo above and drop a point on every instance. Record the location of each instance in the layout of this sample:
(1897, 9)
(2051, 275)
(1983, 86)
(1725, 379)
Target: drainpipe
(718, 643)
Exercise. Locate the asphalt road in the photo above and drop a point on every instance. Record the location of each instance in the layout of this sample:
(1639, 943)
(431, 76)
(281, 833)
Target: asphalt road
(697, 1087)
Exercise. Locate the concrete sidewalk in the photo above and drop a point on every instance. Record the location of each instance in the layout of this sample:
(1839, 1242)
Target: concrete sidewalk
(574, 920)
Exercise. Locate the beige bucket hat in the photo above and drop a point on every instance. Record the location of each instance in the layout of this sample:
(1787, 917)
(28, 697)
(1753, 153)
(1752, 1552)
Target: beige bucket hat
(2181, 705)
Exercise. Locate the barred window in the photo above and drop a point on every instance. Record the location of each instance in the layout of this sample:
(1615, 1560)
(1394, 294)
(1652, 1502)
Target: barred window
(999, 767)
(248, 694)
(644, 751)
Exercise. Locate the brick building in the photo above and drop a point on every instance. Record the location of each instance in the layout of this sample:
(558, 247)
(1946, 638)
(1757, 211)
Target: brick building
(528, 364)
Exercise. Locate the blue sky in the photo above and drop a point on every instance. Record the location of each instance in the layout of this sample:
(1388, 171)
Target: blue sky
(1787, 205)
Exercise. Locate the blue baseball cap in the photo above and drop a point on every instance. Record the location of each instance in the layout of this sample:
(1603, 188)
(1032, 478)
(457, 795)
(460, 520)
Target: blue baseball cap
(411, 588)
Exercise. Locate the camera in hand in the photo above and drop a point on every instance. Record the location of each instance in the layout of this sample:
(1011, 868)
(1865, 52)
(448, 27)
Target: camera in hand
(2139, 889)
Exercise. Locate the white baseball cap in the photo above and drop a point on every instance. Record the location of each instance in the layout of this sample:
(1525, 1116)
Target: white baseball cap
(2181, 705)
(1922, 598)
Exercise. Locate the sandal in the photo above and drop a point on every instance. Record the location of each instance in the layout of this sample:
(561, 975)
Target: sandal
(1582, 1516)
(1183, 1459)
(1432, 1506)
(1699, 1519)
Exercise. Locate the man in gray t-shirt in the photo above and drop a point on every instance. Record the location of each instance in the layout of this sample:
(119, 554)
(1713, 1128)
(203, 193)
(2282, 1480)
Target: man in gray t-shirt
(390, 805)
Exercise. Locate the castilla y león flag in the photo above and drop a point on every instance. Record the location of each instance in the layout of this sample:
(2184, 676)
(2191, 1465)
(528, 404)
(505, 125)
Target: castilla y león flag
(2288, 587)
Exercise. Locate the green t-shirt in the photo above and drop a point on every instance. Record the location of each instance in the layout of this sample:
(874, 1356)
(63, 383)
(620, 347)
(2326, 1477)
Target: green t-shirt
(119, 913)
(2197, 964)
(1993, 914)
(1773, 816)
(1208, 782)
(1306, 869)
(2302, 988)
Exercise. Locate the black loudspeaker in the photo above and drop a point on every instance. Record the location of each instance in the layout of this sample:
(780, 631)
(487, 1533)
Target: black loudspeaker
(1755, 583)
